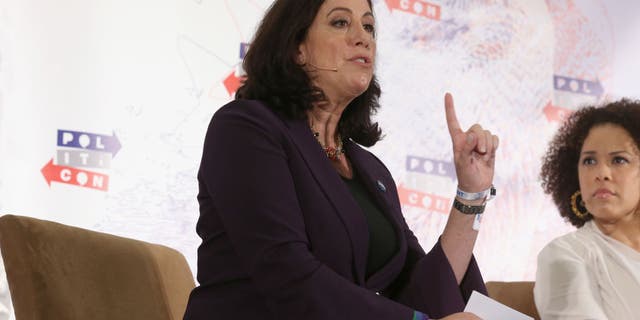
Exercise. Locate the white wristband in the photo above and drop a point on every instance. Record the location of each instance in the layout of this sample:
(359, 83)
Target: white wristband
(471, 196)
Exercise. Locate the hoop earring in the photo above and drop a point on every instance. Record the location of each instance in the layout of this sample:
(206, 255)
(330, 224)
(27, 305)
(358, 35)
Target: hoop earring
(574, 205)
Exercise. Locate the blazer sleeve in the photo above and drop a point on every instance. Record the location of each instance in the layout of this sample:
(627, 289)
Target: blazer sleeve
(245, 169)
(428, 284)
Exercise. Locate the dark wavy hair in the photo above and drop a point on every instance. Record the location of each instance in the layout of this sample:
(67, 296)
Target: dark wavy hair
(559, 172)
(274, 77)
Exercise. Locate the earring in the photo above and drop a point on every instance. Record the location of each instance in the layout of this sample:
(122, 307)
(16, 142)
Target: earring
(576, 199)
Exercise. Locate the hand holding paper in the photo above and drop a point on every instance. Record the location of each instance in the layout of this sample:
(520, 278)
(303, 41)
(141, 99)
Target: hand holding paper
(461, 316)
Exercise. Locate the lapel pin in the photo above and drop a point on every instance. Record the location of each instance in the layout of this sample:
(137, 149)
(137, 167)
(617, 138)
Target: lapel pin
(381, 186)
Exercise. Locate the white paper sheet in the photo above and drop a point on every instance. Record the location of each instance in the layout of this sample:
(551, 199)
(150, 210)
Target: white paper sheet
(489, 309)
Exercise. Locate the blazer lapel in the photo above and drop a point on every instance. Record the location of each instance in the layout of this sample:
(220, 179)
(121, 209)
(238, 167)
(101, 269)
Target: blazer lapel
(336, 191)
(378, 182)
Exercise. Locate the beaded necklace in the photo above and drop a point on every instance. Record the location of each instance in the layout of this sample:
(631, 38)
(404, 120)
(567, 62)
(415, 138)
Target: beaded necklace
(333, 153)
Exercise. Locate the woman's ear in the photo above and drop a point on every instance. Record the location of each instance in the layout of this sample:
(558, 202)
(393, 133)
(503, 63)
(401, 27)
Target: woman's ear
(301, 58)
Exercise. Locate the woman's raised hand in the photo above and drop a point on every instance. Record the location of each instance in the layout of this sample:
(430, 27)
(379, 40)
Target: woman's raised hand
(474, 151)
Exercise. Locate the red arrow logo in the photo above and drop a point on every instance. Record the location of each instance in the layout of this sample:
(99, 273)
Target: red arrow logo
(69, 175)
(555, 113)
(427, 201)
(232, 83)
(417, 7)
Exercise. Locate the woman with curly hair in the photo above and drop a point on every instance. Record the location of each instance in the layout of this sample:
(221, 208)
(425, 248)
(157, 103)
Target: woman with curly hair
(592, 172)
(297, 220)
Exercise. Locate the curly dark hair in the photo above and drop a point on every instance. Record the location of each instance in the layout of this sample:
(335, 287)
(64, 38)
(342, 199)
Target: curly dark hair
(274, 77)
(559, 172)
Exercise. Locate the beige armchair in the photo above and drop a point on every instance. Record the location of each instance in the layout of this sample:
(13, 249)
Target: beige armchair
(56, 271)
(517, 295)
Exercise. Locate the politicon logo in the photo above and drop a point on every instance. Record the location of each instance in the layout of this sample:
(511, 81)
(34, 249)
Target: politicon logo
(234, 79)
(422, 199)
(419, 8)
(78, 156)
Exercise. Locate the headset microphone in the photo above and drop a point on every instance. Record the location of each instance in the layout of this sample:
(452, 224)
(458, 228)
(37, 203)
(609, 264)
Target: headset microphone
(323, 68)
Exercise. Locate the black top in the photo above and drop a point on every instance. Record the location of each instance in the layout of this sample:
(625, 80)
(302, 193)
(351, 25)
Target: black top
(382, 237)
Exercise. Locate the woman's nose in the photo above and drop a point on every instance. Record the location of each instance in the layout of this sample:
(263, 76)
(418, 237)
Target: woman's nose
(603, 173)
(361, 37)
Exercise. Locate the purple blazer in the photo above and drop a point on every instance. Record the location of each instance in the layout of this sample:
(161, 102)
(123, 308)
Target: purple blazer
(282, 237)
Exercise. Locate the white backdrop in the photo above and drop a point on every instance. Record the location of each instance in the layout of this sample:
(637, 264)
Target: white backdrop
(104, 105)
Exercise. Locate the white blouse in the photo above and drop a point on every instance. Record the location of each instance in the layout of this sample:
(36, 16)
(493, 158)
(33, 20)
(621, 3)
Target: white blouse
(588, 275)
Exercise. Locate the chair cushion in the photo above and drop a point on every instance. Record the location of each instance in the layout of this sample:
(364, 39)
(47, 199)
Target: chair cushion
(61, 272)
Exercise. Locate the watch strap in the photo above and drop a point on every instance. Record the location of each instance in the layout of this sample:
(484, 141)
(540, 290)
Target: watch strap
(468, 209)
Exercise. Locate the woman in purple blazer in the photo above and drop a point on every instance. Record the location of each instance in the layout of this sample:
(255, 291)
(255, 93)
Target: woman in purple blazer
(297, 220)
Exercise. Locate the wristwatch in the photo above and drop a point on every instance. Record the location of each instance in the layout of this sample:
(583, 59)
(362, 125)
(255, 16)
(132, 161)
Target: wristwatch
(468, 209)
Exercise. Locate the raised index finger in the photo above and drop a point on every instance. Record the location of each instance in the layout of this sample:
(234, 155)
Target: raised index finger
(452, 119)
